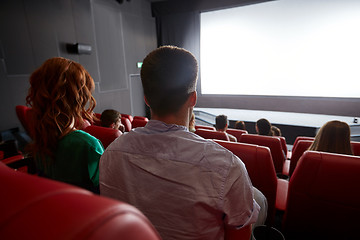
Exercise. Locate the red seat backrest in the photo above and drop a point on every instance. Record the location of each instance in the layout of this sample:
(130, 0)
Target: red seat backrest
(141, 117)
(260, 168)
(131, 118)
(323, 197)
(127, 124)
(97, 121)
(204, 127)
(236, 132)
(105, 135)
(273, 143)
(138, 122)
(356, 148)
(302, 138)
(297, 152)
(37, 208)
(25, 117)
(212, 134)
(283, 144)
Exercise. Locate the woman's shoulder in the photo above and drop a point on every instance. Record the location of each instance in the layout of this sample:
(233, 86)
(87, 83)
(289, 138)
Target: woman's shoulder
(81, 136)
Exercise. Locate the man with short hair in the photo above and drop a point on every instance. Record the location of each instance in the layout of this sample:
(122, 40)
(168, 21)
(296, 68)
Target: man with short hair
(188, 187)
(111, 118)
(263, 127)
(221, 125)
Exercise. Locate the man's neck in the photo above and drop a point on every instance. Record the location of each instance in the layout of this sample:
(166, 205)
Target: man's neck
(171, 119)
(182, 117)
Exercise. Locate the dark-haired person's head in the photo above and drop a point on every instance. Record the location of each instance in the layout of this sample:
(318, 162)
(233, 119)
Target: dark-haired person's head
(240, 125)
(276, 131)
(168, 76)
(221, 122)
(333, 137)
(110, 118)
(263, 127)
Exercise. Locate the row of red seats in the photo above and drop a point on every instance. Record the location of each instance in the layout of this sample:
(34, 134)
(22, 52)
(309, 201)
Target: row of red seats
(321, 192)
(277, 145)
(105, 135)
(30, 209)
(37, 208)
(284, 161)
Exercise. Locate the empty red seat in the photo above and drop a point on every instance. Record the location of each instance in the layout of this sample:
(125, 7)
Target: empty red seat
(25, 117)
(128, 116)
(302, 138)
(212, 134)
(37, 208)
(260, 168)
(283, 144)
(301, 147)
(273, 143)
(141, 117)
(139, 122)
(127, 124)
(236, 132)
(97, 119)
(104, 134)
(204, 127)
(356, 148)
(323, 197)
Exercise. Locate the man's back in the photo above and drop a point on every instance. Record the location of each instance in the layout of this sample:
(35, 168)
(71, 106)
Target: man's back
(187, 186)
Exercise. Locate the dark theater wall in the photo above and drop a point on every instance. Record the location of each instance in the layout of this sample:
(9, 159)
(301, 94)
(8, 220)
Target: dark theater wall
(32, 31)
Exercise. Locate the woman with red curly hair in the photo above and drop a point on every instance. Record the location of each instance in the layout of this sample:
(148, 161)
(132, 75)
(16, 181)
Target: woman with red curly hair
(60, 95)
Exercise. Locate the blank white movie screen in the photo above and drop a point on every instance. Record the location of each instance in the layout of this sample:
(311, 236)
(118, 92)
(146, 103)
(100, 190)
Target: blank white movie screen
(282, 48)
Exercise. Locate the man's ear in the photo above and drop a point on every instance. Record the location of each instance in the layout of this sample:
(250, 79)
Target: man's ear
(146, 101)
(192, 99)
(112, 125)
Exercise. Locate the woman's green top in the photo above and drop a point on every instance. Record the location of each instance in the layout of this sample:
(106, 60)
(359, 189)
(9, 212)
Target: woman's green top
(76, 161)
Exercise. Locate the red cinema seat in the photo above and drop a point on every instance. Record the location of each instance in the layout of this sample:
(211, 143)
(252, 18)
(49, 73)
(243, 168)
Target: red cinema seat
(128, 116)
(273, 143)
(211, 134)
(139, 122)
(260, 168)
(16, 162)
(283, 144)
(301, 147)
(24, 115)
(105, 135)
(141, 117)
(97, 119)
(127, 124)
(323, 198)
(302, 138)
(84, 125)
(236, 132)
(205, 127)
(356, 148)
(37, 208)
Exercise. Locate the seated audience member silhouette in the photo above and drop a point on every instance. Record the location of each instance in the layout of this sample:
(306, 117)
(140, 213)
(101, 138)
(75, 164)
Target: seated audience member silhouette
(59, 92)
(240, 125)
(333, 137)
(221, 125)
(112, 119)
(263, 127)
(275, 131)
(189, 187)
(192, 123)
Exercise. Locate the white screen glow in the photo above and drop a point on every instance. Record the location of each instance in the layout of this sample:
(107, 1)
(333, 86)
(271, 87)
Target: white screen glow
(282, 48)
